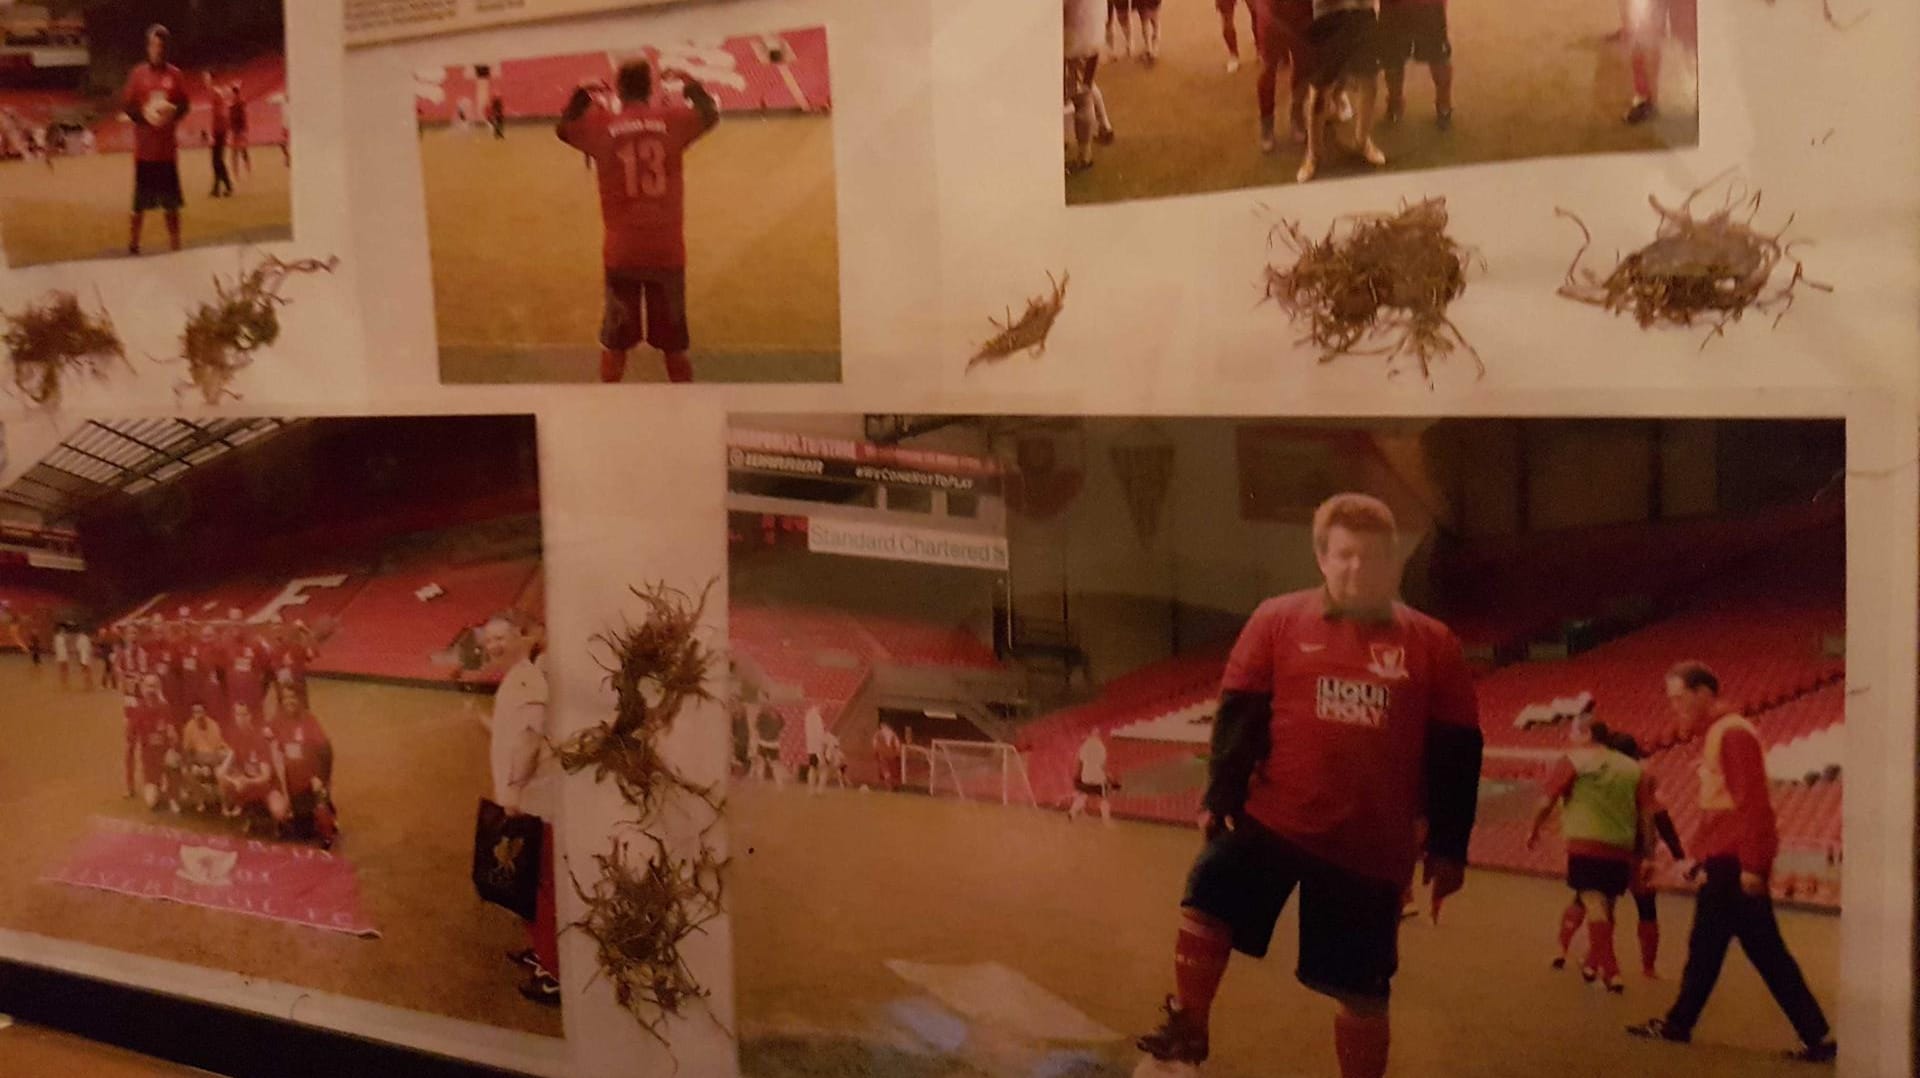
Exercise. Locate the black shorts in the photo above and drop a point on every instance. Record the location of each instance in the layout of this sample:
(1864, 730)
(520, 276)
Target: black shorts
(1605, 875)
(1343, 45)
(156, 186)
(1349, 923)
(1415, 30)
(649, 305)
(1089, 788)
(1143, 6)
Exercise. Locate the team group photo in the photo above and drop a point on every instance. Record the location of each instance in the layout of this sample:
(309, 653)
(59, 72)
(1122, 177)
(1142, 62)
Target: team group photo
(283, 708)
(663, 212)
(1254, 747)
(142, 127)
(1178, 97)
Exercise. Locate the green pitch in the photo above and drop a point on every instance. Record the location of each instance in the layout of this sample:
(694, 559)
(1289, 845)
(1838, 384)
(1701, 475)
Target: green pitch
(78, 209)
(1531, 80)
(515, 231)
(897, 934)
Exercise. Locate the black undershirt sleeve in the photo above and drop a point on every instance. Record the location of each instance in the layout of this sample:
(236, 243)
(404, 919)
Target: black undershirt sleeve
(1453, 788)
(1663, 823)
(1242, 737)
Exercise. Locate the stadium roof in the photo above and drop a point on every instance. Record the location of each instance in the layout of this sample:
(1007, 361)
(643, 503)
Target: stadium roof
(126, 456)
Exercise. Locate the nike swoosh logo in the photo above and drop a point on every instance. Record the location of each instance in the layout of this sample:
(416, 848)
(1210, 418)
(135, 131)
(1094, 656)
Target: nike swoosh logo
(1310, 648)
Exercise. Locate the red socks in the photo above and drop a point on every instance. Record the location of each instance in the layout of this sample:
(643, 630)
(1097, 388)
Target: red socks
(173, 230)
(1360, 1042)
(1570, 921)
(1443, 86)
(613, 365)
(1646, 74)
(1264, 89)
(1200, 955)
(133, 234)
(1649, 945)
(1230, 33)
(678, 368)
(1600, 956)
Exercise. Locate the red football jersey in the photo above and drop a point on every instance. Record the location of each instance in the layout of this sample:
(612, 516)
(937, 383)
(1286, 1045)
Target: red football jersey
(638, 154)
(303, 749)
(145, 83)
(1352, 703)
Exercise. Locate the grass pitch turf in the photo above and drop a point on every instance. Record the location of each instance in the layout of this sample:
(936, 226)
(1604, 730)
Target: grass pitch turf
(827, 890)
(1531, 80)
(515, 231)
(78, 210)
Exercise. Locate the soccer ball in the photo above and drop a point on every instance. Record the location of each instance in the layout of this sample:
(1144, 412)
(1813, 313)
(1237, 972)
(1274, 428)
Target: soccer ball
(158, 110)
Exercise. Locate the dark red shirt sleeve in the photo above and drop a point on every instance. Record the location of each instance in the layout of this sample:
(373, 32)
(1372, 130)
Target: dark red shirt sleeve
(1746, 769)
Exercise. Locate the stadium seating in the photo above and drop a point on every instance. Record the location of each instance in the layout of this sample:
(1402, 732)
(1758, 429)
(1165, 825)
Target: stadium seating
(737, 73)
(819, 657)
(386, 631)
(263, 83)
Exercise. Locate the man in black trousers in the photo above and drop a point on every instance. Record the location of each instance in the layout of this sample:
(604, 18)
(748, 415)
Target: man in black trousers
(1736, 841)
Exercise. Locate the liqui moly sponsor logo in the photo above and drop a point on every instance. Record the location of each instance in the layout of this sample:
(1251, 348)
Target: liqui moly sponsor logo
(1357, 703)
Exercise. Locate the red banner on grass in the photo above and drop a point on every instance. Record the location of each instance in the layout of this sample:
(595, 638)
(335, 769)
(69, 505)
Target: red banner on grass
(278, 881)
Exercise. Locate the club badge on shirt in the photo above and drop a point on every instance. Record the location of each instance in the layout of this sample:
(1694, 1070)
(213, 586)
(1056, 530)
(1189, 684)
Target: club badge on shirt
(1389, 662)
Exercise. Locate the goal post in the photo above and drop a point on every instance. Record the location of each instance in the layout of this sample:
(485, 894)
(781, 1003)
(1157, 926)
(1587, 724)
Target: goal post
(983, 770)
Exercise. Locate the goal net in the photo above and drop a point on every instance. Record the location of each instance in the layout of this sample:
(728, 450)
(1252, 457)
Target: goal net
(979, 770)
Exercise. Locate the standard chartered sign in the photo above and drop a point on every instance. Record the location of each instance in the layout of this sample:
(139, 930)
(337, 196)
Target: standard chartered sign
(863, 540)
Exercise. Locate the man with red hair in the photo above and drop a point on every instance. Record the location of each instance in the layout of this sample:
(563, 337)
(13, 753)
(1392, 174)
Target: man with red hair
(1345, 717)
(1735, 841)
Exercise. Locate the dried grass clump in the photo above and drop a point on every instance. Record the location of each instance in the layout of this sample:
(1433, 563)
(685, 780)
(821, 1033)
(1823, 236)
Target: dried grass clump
(221, 338)
(656, 668)
(1713, 268)
(54, 339)
(638, 916)
(1376, 284)
(1030, 331)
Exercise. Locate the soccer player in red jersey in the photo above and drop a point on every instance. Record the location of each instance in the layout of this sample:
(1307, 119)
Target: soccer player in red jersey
(249, 781)
(1345, 717)
(303, 761)
(638, 150)
(222, 107)
(1280, 30)
(1735, 843)
(158, 757)
(155, 99)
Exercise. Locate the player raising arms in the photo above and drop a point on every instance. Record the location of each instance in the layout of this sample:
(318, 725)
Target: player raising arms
(155, 99)
(638, 152)
(1344, 718)
(1607, 810)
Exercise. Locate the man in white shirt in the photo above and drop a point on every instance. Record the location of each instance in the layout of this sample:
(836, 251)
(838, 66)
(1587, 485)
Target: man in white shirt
(523, 784)
(1092, 781)
(60, 649)
(816, 733)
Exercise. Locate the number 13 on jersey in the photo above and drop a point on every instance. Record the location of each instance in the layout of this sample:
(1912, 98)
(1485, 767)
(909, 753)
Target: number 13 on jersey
(645, 163)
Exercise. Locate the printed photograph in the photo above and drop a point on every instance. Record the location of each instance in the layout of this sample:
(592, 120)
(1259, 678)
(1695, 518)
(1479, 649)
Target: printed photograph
(1111, 746)
(142, 126)
(1190, 97)
(276, 702)
(373, 22)
(646, 213)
